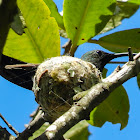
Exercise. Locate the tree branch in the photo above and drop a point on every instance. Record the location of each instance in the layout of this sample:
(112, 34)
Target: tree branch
(9, 125)
(97, 94)
(5, 135)
(32, 127)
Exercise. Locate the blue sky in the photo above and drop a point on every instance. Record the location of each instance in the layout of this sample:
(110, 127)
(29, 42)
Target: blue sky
(16, 103)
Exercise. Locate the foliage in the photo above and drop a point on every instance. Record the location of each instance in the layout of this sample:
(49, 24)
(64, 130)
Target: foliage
(36, 42)
(122, 40)
(79, 131)
(39, 131)
(114, 109)
(36, 28)
(88, 16)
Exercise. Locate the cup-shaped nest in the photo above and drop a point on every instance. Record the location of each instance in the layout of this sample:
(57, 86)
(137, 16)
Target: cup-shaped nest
(58, 79)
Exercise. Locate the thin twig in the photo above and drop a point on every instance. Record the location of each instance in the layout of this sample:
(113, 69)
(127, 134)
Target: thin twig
(130, 54)
(32, 127)
(117, 62)
(137, 56)
(67, 47)
(5, 135)
(18, 66)
(35, 113)
(9, 125)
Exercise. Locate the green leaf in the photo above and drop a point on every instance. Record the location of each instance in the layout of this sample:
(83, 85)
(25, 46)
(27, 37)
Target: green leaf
(78, 132)
(138, 80)
(7, 12)
(104, 73)
(20, 47)
(54, 13)
(120, 41)
(84, 19)
(17, 24)
(39, 131)
(114, 109)
(42, 34)
(123, 10)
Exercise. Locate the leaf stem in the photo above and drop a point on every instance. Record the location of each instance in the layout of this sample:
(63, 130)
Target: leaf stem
(73, 50)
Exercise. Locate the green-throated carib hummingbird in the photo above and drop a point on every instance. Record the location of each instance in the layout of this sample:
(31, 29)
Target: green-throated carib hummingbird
(22, 74)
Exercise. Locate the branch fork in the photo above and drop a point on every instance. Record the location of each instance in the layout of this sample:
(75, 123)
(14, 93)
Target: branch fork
(93, 98)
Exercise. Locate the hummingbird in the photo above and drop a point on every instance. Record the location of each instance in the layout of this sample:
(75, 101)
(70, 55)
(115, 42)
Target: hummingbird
(21, 73)
(100, 58)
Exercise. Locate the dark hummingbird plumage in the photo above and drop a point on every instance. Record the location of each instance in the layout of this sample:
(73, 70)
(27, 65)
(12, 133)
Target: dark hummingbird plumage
(100, 58)
(22, 74)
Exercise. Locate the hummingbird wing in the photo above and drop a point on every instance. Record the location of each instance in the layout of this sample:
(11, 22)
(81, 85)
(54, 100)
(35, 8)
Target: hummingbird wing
(17, 72)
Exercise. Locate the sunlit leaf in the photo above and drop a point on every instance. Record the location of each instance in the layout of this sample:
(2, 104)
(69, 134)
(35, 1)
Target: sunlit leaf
(78, 132)
(42, 34)
(114, 109)
(120, 41)
(20, 47)
(54, 12)
(123, 10)
(84, 19)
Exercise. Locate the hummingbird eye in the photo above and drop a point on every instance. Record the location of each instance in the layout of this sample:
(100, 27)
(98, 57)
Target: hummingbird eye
(99, 53)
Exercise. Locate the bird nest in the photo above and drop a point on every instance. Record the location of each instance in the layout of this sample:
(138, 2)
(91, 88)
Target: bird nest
(58, 79)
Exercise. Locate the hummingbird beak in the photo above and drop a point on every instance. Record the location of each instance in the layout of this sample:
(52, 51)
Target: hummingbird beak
(116, 55)
(111, 56)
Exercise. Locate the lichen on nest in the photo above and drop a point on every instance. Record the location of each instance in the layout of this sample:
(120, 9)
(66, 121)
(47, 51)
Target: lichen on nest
(58, 79)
